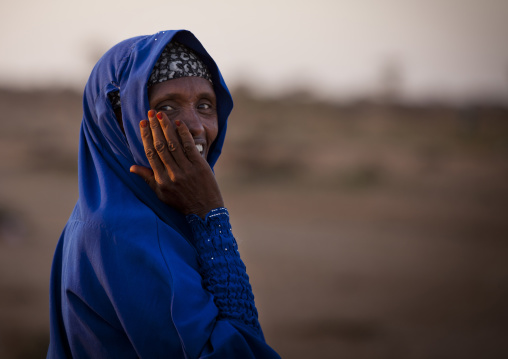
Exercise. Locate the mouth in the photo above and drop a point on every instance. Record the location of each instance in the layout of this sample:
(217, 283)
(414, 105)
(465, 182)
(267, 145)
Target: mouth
(200, 148)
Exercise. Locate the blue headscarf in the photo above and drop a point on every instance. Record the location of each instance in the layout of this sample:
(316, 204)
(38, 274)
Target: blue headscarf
(105, 153)
(125, 278)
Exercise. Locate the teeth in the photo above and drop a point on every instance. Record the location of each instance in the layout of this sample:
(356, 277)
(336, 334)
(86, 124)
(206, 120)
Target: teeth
(200, 148)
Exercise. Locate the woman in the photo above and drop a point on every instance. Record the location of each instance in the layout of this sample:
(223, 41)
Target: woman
(147, 265)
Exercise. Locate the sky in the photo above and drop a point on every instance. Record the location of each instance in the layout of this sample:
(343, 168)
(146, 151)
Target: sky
(447, 50)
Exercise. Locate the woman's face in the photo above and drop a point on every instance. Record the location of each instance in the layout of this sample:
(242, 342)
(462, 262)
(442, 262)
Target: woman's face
(191, 100)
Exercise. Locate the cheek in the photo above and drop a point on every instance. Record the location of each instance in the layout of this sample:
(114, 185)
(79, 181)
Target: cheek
(212, 129)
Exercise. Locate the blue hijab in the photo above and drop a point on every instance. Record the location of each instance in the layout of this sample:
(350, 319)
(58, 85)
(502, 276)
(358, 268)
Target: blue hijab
(125, 279)
(105, 153)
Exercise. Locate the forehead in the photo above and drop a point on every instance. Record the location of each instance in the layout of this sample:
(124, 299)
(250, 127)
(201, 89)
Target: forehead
(183, 87)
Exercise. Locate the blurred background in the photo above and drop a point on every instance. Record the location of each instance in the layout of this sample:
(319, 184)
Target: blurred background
(365, 167)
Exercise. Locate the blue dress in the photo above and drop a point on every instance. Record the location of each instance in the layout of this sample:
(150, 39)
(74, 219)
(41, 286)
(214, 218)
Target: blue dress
(131, 276)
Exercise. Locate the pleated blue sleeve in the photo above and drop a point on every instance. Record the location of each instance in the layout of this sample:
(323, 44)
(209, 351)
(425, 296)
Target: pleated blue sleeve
(237, 331)
(223, 271)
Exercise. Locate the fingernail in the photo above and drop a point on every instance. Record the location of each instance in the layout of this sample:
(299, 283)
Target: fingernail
(177, 123)
(151, 113)
(143, 123)
(159, 115)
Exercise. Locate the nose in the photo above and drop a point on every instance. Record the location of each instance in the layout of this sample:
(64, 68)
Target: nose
(193, 121)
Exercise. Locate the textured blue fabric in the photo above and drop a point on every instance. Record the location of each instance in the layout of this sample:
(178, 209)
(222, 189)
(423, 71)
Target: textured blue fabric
(130, 276)
(224, 274)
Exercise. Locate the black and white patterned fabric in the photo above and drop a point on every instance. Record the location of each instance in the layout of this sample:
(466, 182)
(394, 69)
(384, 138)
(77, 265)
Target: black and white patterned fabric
(177, 61)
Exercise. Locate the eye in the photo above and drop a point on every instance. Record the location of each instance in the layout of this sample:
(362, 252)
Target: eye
(165, 108)
(204, 106)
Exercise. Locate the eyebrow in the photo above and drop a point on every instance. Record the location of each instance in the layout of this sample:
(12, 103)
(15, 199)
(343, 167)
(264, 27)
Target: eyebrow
(175, 96)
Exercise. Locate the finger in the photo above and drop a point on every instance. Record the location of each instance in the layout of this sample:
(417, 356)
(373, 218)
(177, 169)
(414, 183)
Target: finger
(151, 154)
(145, 173)
(160, 143)
(173, 143)
(189, 147)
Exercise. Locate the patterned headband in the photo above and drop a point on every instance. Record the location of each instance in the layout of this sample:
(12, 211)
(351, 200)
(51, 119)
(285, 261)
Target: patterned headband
(177, 61)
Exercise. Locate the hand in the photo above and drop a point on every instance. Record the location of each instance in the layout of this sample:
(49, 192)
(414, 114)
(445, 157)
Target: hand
(180, 176)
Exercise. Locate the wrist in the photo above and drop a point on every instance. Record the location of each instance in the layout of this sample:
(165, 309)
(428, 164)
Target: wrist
(203, 210)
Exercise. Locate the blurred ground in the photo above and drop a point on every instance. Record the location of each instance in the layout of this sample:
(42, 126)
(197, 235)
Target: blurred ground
(368, 231)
